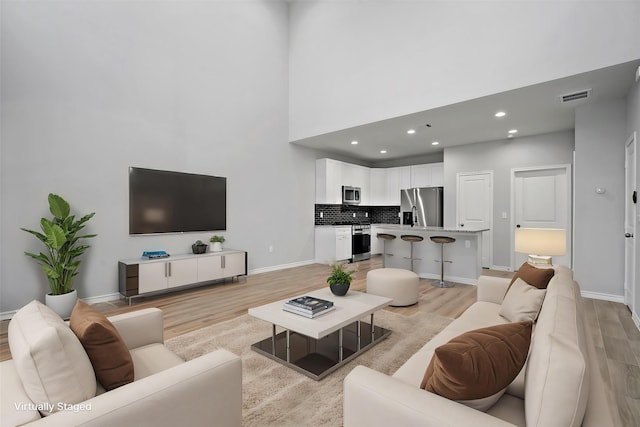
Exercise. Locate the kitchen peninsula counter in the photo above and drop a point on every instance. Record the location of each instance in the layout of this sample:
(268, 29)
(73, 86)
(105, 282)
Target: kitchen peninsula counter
(465, 253)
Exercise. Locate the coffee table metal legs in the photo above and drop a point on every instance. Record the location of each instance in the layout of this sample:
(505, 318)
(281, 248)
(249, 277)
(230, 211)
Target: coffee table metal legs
(317, 358)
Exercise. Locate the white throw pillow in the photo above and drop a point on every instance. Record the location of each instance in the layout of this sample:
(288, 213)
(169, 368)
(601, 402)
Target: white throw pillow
(522, 302)
(49, 358)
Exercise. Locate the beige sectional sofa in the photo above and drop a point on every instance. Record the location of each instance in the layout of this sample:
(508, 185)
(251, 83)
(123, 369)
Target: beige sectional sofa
(166, 390)
(560, 384)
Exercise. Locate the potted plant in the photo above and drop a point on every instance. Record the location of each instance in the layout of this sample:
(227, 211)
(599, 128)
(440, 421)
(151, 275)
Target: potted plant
(199, 247)
(60, 264)
(340, 279)
(217, 243)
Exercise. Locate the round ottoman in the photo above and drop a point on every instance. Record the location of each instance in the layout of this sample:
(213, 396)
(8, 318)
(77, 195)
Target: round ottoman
(401, 285)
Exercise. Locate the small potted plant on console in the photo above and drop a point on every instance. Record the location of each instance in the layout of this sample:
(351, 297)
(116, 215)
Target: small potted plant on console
(217, 243)
(199, 247)
(340, 279)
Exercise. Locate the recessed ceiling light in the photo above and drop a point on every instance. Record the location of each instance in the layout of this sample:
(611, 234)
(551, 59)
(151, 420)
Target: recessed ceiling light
(509, 136)
(500, 114)
(435, 143)
(411, 131)
(513, 131)
(354, 142)
(383, 151)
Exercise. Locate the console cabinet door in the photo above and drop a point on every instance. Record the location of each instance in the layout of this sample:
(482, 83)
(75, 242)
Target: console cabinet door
(210, 268)
(183, 272)
(234, 265)
(152, 276)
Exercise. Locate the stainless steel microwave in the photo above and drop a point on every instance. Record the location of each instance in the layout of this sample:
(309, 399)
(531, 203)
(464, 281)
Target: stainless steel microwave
(351, 195)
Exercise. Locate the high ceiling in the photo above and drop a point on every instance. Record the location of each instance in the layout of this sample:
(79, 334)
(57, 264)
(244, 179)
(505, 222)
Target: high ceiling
(531, 110)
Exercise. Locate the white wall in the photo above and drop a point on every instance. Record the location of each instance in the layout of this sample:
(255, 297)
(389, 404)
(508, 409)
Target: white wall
(356, 62)
(91, 88)
(500, 157)
(600, 135)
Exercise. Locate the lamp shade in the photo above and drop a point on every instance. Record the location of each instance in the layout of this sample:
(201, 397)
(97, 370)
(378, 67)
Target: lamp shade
(541, 241)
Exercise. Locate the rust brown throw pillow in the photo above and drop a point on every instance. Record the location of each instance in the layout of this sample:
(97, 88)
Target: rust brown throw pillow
(105, 347)
(537, 277)
(478, 363)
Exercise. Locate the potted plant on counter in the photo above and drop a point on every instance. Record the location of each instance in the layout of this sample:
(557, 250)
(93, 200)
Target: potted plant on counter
(340, 279)
(217, 243)
(60, 264)
(199, 247)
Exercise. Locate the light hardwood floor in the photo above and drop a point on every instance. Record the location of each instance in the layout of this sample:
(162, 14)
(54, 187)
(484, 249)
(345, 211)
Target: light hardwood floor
(617, 338)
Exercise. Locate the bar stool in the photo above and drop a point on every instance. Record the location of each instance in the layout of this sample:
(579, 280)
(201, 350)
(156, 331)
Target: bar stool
(412, 238)
(442, 240)
(385, 237)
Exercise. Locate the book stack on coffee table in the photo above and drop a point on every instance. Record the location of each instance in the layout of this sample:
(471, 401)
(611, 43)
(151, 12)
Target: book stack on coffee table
(308, 306)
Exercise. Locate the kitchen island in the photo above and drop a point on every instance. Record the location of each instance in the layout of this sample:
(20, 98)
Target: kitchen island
(465, 253)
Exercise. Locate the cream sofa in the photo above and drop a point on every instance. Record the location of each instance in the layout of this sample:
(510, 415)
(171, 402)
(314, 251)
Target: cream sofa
(561, 379)
(166, 390)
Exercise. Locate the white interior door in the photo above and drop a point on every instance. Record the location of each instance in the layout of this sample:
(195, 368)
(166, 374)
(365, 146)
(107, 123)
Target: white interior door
(541, 198)
(475, 208)
(630, 222)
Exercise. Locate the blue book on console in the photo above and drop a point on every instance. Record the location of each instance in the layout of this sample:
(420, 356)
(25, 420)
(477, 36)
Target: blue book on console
(154, 254)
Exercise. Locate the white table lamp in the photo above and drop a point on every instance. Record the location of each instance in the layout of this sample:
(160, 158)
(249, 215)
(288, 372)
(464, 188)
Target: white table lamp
(540, 243)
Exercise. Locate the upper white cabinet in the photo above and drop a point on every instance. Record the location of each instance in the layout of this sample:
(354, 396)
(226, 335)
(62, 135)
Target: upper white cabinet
(328, 181)
(331, 175)
(379, 186)
(429, 175)
(386, 184)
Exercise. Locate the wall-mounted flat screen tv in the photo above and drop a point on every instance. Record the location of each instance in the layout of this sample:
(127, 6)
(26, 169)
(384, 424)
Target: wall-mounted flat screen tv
(175, 202)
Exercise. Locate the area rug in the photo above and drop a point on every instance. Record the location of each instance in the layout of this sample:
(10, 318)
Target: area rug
(274, 395)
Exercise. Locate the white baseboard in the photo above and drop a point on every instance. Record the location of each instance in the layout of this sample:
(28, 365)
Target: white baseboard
(454, 279)
(102, 298)
(636, 320)
(281, 267)
(7, 315)
(500, 268)
(605, 297)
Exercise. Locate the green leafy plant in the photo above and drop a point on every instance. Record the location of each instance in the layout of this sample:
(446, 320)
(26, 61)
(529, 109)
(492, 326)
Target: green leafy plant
(339, 274)
(198, 243)
(215, 239)
(60, 236)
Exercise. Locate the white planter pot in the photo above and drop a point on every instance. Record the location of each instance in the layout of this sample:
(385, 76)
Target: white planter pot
(216, 247)
(62, 304)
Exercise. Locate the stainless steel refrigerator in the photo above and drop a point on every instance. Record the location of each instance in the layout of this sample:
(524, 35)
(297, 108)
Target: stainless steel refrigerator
(422, 207)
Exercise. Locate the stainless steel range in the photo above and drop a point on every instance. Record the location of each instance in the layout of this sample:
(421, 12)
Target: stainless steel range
(361, 241)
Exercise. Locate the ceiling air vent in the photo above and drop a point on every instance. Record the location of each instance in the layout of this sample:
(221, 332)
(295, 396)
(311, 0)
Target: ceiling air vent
(582, 94)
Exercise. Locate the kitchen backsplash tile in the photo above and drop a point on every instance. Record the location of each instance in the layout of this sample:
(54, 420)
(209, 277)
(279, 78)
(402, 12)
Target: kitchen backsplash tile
(344, 214)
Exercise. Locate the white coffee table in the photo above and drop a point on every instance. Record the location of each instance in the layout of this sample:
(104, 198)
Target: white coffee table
(316, 347)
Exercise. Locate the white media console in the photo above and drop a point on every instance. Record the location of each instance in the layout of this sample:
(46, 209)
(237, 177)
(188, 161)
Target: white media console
(138, 277)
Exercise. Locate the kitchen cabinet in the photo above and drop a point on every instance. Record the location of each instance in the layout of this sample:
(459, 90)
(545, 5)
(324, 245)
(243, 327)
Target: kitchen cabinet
(343, 243)
(379, 186)
(387, 183)
(332, 243)
(427, 175)
(331, 175)
(376, 244)
(140, 276)
(329, 181)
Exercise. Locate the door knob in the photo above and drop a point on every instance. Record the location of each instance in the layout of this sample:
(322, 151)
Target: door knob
(628, 235)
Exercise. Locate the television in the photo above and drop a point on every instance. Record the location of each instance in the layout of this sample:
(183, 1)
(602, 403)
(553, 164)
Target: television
(175, 202)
